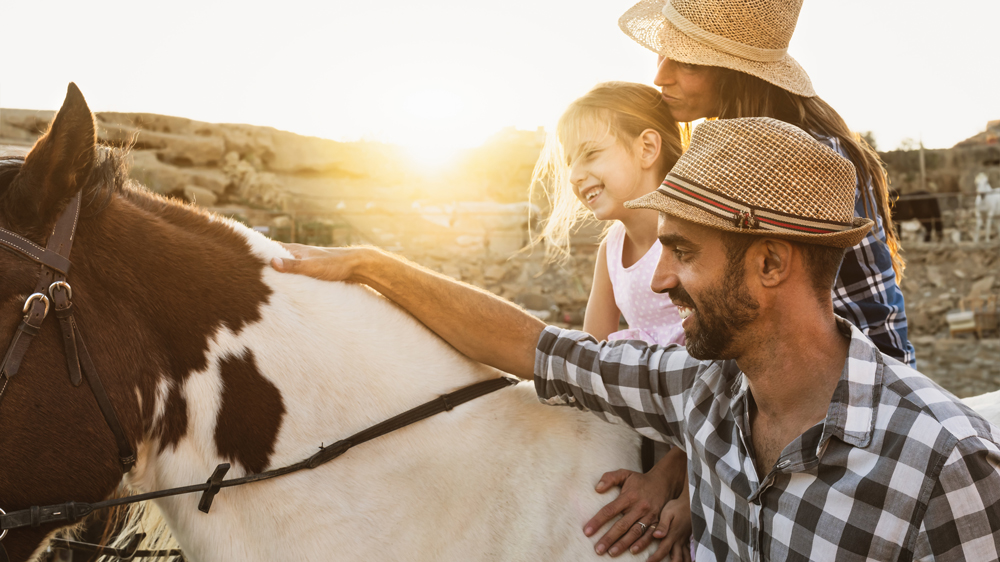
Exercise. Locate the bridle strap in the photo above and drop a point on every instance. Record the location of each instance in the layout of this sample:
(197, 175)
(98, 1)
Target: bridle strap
(126, 455)
(52, 282)
(55, 262)
(24, 247)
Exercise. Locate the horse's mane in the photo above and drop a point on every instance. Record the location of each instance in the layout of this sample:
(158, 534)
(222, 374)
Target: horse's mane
(108, 177)
(10, 166)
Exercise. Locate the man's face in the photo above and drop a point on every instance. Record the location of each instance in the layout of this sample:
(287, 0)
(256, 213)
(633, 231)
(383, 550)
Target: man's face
(709, 289)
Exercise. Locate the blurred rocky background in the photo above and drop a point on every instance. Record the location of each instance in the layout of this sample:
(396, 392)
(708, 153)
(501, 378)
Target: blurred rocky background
(471, 219)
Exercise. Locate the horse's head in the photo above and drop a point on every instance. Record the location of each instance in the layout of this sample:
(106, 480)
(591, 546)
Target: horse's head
(152, 281)
(47, 441)
(982, 183)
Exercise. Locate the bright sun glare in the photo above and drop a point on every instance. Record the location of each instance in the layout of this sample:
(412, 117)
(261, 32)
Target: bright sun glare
(436, 127)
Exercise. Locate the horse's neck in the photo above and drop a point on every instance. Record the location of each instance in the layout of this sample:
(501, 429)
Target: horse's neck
(321, 361)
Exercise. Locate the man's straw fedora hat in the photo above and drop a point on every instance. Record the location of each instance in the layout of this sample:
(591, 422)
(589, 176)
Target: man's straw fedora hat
(750, 36)
(765, 177)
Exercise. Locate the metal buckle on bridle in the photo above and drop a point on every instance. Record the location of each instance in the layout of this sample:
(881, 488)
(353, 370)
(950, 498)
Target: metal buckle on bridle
(61, 285)
(4, 533)
(32, 298)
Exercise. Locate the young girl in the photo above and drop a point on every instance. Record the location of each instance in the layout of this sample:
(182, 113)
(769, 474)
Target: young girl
(615, 144)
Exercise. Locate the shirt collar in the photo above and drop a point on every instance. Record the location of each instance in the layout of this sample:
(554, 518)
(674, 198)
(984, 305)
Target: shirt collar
(851, 416)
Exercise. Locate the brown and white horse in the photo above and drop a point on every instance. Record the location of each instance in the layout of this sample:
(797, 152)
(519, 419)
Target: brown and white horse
(210, 356)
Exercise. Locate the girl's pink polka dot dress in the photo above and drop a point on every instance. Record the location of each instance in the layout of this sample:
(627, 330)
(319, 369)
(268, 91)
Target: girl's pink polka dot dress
(651, 316)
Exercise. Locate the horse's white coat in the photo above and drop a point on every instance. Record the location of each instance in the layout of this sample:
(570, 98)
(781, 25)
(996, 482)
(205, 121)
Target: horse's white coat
(986, 405)
(987, 203)
(500, 478)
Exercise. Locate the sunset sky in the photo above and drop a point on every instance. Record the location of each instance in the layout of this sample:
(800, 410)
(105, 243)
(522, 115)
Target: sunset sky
(444, 74)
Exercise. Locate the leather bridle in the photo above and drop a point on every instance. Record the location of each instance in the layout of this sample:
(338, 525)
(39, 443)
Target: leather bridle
(52, 291)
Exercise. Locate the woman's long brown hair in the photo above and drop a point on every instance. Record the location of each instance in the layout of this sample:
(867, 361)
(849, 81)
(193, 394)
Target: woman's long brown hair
(742, 95)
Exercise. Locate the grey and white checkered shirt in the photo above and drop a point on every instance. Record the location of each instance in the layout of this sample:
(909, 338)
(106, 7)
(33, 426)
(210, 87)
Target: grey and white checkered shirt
(898, 470)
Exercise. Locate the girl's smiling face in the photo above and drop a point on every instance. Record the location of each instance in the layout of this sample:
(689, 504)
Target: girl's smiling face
(603, 173)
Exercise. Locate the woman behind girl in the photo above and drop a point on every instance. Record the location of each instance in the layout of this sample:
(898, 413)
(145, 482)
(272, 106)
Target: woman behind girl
(615, 144)
(728, 59)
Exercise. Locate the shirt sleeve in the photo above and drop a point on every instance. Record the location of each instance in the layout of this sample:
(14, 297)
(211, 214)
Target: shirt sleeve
(962, 521)
(646, 387)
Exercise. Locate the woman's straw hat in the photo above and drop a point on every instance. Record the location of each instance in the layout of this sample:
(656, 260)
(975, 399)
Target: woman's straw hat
(762, 176)
(750, 36)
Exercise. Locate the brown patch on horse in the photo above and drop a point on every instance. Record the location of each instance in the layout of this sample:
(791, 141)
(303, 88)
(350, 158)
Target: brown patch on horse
(182, 277)
(246, 429)
(175, 419)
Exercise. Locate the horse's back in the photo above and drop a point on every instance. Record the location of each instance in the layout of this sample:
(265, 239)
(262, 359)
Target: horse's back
(500, 478)
(986, 405)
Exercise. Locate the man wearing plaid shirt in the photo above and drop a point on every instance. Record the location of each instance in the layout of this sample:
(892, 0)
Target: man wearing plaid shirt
(804, 441)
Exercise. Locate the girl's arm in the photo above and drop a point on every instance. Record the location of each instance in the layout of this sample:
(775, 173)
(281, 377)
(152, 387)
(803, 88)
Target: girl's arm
(643, 497)
(602, 313)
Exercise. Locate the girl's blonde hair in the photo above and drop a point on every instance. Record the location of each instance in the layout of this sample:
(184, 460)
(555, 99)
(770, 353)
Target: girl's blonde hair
(623, 110)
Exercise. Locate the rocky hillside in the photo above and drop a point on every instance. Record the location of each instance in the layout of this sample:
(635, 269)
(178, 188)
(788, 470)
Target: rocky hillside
(948, 170)
(278, 180)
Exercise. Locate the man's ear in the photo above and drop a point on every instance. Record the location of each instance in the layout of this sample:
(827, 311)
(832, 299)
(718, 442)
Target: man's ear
(647, 147)
(773, 261)
(59, 164)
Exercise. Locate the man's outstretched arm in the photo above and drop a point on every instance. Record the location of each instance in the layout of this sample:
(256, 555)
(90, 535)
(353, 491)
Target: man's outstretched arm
(477, 323)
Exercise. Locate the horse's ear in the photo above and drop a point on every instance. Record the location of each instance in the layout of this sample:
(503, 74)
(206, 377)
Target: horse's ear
(61, 161)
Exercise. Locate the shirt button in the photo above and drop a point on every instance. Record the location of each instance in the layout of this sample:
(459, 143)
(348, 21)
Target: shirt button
(783, 464)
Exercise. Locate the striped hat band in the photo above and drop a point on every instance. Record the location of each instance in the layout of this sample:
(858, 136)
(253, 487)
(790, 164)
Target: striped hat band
(745, 216)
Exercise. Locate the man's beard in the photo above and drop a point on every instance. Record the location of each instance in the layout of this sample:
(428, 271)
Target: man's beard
(725, 309)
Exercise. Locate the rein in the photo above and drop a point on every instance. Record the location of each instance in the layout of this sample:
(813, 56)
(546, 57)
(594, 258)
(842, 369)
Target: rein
(52, 289)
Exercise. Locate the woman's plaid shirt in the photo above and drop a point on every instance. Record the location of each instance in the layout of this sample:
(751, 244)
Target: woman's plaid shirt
(866, 292)
(898, 470)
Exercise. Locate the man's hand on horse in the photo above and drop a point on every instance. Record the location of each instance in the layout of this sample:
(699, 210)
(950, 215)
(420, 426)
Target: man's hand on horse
(328, 264)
